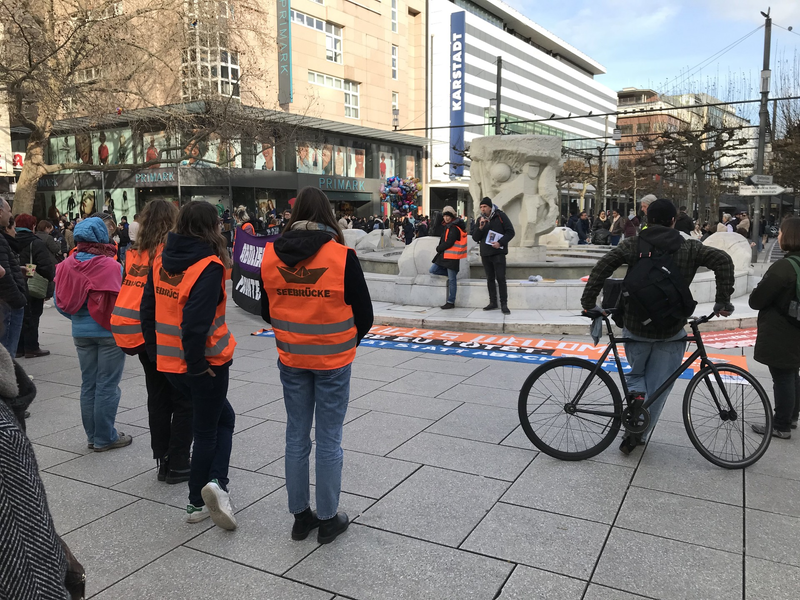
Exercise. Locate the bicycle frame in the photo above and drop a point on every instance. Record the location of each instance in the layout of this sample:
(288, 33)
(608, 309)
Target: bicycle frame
(700, 352)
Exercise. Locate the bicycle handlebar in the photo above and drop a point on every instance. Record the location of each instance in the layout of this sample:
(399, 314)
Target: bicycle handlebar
(594, 313)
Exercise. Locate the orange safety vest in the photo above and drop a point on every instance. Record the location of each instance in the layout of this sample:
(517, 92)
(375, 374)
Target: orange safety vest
(458, 250)
(126, 325)
(314, 326)
(172, 291)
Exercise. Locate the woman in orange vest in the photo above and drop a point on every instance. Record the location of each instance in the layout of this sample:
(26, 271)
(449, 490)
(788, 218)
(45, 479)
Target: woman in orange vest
(169, 411)
(183, 322)
(451, 249)
(317, 301)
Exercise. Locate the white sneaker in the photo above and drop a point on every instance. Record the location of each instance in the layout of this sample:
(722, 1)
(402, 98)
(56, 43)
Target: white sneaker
(195, 514)
(218, 502)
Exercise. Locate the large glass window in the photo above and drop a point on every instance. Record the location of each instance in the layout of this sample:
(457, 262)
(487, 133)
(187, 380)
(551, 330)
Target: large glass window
(333, 43)
(351, 101)
(394, 62)
(208, 65)
(333, 33)
(479, 11)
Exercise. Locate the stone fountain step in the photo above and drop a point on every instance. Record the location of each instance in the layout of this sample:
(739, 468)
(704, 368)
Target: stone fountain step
(543, 322)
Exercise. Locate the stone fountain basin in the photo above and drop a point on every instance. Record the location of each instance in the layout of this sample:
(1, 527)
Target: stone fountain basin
(430, 290)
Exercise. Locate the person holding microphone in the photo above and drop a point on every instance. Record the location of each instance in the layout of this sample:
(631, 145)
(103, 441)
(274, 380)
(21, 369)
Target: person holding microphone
(493, 233)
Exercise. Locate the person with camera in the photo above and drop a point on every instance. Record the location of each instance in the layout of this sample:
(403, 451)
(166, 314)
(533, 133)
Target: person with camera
(493, 233)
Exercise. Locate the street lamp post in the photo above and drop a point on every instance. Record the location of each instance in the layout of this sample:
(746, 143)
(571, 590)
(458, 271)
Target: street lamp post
(763, 123)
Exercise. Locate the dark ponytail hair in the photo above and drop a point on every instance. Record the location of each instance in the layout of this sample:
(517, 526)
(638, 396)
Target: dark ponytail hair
(199, 220)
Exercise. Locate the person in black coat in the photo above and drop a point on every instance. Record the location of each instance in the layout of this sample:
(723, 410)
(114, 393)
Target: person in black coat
(601, 229)
(13, 290)
(778, 337)
(493, 256)
(582, 227)
(684, 222)
(408, 231)
(32, 250)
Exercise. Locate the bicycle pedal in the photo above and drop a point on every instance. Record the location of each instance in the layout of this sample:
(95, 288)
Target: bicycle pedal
(635, 420)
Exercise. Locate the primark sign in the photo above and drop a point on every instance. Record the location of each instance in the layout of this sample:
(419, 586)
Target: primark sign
(285, 93)
(457, 33)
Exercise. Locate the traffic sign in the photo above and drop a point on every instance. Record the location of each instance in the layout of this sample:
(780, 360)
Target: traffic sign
(760, 190)
(761, 179)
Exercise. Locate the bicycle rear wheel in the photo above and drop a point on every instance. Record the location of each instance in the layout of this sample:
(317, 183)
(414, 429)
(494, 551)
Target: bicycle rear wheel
(546, 413)
(728, 443)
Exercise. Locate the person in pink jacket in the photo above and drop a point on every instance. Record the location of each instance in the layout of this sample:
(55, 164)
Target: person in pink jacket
(87, 285)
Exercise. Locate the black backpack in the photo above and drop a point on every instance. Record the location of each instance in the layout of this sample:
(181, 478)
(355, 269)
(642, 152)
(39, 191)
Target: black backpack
(655, 290)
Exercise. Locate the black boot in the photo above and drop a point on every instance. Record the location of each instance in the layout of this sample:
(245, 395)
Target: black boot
(504, 308)
(304, 523)
(177, 475)
(329, 529)
(492, 305)
(163, 467)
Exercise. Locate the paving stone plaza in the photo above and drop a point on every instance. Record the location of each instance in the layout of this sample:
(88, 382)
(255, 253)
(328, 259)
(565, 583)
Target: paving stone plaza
(448, 498)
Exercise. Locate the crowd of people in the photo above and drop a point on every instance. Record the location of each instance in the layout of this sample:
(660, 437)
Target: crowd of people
(167, 305)
(610, 228)
(156, 289)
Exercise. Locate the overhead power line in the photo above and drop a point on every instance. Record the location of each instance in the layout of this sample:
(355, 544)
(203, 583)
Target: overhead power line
(699, 66)
(591, 114)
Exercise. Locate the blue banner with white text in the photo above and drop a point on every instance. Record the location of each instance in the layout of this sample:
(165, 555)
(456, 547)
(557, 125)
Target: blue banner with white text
(457, 33)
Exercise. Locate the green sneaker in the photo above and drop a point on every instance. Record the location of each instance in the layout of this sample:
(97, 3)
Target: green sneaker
(195, 514)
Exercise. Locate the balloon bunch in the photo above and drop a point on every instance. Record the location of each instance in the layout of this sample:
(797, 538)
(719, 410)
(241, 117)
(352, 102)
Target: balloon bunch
(402, 193)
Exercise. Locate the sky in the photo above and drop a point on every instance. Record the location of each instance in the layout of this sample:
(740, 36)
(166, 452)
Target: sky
(647, 43)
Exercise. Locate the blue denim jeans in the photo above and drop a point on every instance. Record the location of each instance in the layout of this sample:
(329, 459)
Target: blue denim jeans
(101, 364)
(652, 362)
(307, 393)
(452, 276)
(12, 328)
(213, 422)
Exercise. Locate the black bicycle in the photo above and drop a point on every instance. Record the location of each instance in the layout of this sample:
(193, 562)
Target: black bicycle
(571, 409)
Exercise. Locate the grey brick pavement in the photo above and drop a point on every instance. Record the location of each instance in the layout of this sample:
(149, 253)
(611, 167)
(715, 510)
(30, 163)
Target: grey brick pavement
(447, 496)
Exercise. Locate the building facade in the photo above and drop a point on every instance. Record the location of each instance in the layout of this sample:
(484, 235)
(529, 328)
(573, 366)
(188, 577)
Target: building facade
(644, 115)
(541, 77)
(335, 74)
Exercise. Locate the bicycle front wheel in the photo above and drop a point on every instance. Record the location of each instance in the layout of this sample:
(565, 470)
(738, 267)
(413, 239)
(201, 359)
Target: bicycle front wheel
(561, 428)
(727, 440)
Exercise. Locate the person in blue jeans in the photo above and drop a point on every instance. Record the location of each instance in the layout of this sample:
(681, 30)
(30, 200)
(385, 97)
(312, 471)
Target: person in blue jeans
(658, 346)
(13, 289)
(87, 284)
(315, 296)
(452, 248)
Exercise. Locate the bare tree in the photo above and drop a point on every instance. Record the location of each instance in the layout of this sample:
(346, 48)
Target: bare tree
(785, 161)
(103, 64)
(711, 151)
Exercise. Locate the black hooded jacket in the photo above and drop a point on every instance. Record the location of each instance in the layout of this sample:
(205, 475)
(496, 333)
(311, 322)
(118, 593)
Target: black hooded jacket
(13, 289)
(33, 250)
(296, 246)
(180, 253)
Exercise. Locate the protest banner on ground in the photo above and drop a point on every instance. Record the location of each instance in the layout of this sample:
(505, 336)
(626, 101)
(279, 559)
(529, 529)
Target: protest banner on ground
(534, 351)
(736, 338)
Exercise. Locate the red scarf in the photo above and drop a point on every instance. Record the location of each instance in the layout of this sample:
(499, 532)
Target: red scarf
(98, 249)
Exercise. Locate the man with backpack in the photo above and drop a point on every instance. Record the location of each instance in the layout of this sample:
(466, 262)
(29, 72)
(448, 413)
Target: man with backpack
(656, 301)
